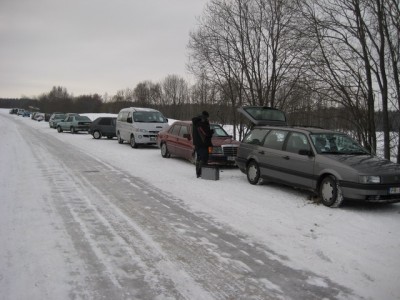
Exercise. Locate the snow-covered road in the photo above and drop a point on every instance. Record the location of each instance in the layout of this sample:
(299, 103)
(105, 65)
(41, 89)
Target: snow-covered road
(91, 219)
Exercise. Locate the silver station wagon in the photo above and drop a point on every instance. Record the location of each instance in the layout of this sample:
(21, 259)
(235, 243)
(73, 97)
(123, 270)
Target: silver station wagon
(330, 164)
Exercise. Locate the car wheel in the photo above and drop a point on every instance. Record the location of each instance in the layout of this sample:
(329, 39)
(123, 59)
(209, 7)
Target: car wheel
(120, 141)
(164, 151)
(72, 129)
(253, 172)
(330, 192)
(59, 129)
(133, 142)
(97, 134)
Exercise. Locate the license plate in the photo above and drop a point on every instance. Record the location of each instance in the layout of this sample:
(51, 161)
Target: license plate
(231, 158)
(152, 138)
(394, 190)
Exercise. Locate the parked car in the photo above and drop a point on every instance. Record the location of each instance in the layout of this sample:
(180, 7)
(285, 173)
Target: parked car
(328, 163)
(74, 124)
(177, 141)
(103, 126)
(23, 112)
(13, 111)
(55, 118)
(139, 126)
(37, 116)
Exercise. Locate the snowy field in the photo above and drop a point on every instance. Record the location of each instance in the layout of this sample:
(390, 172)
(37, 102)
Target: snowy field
(355, 247)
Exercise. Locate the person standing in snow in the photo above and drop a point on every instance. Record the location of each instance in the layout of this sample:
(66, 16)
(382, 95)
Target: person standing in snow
(202, 134)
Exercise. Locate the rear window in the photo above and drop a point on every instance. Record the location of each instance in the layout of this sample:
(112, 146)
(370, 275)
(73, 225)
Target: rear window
(256, 136)
(82, 118)
(266, 113)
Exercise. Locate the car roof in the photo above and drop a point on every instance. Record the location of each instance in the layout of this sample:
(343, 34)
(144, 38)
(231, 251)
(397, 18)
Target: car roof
(138, 109)
(190, 123)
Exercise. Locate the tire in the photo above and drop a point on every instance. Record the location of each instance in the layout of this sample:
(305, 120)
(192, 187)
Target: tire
(133, 142)
(120, 141)
(253, 172)
(72, 129)
(59, 129)
(164, 151)
(330, 192)
(97, 134)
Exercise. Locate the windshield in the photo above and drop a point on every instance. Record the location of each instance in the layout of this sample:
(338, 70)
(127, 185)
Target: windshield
(219, 131)
(82, 118)
(336, 143)
(148, 117)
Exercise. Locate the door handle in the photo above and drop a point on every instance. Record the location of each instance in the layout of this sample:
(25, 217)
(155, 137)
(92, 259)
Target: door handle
(286, 157)
(261, 152)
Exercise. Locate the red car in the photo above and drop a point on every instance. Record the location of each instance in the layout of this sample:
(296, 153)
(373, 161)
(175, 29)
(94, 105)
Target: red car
(177, 141)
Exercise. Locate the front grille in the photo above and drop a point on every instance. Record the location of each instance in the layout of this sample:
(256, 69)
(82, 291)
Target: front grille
(391, 179)
(229, 150)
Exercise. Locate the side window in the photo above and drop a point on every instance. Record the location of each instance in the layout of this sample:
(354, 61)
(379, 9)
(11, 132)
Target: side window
(122, 116)
(105, 121)
(275, 139)
(256, 136)
(297, 142)
(175, 129)
(184, 130)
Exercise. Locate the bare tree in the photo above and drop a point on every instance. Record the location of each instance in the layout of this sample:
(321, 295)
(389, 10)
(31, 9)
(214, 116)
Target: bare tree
(340, 65)
(175, 90)
(355, 60)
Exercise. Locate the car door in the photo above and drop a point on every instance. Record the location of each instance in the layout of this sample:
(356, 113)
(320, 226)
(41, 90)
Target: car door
(172, 139)
(105, 125)
(67, 123)
(298, 160)
(184, 143)
(271, 156)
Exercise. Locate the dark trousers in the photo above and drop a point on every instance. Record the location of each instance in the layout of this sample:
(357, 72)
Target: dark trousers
(202, 158)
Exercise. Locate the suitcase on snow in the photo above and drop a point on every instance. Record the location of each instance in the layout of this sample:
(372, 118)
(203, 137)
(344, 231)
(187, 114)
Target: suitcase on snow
(210, 172)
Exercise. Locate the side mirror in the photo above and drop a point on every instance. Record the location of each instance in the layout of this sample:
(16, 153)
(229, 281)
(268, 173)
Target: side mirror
(187, 136)
(129, 120)
(306, 152)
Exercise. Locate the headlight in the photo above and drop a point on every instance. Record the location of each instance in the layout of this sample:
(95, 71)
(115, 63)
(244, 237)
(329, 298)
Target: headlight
(141, 130)
(215, 150)
(370, 179)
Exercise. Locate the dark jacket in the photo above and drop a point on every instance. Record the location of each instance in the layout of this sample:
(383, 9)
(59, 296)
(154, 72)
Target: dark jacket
(202, 133)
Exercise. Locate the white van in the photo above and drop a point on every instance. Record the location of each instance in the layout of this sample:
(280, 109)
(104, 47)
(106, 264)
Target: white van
(138, 125)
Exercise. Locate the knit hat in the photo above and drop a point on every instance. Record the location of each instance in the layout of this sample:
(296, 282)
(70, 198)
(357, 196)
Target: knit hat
(205, 114)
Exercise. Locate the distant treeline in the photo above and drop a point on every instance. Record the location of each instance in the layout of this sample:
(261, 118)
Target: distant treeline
(329, 118)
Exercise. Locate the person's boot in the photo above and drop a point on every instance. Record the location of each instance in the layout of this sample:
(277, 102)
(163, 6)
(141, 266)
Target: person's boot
(198, 168)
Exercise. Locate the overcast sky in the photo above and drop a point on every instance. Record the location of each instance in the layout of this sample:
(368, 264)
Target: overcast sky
(92, 46)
